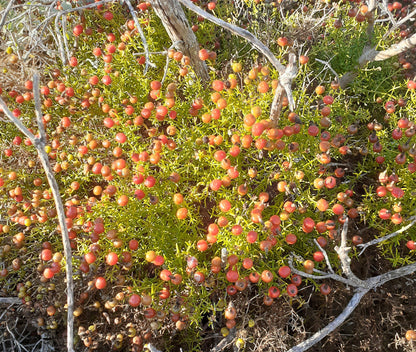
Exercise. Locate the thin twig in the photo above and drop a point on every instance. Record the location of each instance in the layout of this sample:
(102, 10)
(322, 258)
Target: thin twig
(6, 12)
(391, 275)
(328, 263)
(38, 109)
(398, 24)
(343, 251)
(9, 300)
(142, 36)
(326, 63)
(364, 246)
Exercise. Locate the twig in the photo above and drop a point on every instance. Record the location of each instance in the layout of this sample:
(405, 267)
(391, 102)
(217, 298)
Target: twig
(142, 36)
(6, 12)
(394, 50)
(372, 5)
(38, 109)
(398, 24)
(352, 304)
(322, 276)
(40, 147)
(6, 310)
(61, 47)
(364, 246)
(326, 63)
(165, 71)
(328, 263)
(237, 31)
(391, 275)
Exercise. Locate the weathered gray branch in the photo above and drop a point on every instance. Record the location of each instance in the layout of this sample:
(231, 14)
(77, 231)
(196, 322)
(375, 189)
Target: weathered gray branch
(362, 286)
(399, 23)
(38, 109)
(142, 36)
(237, 31)
(9, 300)
(343, 251)
(181, 34)
(6, 12)
(364, 246)
(314, 339)
(40, 147)
(371, 55)
(391, 275)
(328, 263)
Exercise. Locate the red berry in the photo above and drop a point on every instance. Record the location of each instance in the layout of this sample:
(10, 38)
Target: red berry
(100, 283)
(135, 300)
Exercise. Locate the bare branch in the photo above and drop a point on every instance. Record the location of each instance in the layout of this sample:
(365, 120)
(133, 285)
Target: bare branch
(343, 251)
(321, 276)
(399, 23)
(352, 304)
(391, 275)
(10, 300)
(151, 348)
(142, 36)
(38, 109)
(364, 246)
(372, 5)
(177, 26)
(237, 31)
(284, 89)
(6, 12)
(40, 147)
(17, 122)
(328, 263)
(276, 108)
(224, 342)
(326, 63)
(396, 49)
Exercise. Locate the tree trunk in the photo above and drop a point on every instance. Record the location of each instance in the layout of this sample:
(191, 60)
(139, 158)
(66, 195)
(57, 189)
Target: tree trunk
(174, 20)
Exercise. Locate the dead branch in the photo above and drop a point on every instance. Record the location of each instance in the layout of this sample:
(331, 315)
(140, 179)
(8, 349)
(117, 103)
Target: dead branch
(142, 36)
(395, 49)
(6, 11)
(399, 23)
(287, 74)
(362, 286)
(391, 275)
(364, 246)
(151, 348)
(180, 32)
(9, 300)
(39, 144)
(343, 251)
(224, 342)
(370, 54)
(352, 304)
(328, 263)
(237, 31)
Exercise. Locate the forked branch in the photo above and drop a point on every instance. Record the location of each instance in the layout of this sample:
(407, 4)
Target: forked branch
(361, 286)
